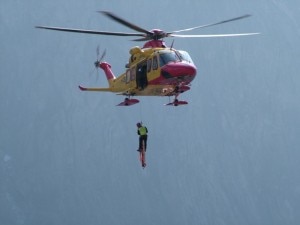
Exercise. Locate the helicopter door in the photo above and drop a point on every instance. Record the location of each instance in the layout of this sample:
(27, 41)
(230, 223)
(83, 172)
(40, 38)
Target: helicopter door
(141, 75)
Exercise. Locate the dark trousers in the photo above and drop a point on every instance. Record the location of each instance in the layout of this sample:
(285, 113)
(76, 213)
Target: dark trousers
(143, 137)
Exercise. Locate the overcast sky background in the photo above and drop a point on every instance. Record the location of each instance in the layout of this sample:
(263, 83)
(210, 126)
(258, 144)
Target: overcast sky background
(229, 157)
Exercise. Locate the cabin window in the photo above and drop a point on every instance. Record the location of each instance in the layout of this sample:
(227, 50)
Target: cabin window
(154, 63)
(132, 73)
(149, 65)
(128, 75)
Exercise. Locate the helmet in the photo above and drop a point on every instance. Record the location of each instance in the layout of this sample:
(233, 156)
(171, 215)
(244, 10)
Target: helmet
(139, 124)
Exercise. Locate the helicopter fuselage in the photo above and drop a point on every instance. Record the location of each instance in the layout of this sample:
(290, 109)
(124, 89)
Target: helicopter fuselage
(153, 72)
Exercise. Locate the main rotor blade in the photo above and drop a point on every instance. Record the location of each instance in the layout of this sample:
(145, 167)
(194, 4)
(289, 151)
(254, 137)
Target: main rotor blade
(210, 35)
(90, 31)
(211, 24)
(124, 22)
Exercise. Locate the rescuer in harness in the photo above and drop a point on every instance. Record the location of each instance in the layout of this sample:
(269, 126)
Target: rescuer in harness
(142, 132)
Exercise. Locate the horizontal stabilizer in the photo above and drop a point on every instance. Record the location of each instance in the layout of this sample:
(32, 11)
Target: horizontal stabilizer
(94, 89)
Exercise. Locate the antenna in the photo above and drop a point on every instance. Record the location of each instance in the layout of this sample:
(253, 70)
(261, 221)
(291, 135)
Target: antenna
(172, 44)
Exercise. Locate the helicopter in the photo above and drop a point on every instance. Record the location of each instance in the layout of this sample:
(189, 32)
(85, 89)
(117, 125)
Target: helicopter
(153, 69)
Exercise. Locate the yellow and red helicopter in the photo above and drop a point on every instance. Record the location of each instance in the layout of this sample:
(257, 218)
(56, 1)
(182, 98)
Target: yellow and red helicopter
(154, 69)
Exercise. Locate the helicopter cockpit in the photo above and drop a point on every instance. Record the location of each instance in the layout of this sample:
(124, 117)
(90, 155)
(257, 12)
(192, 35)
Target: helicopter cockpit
(174, 56)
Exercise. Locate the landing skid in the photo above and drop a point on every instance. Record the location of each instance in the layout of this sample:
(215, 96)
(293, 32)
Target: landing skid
(128, 102)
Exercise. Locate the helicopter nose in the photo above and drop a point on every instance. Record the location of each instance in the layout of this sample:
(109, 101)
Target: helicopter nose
(178, 70)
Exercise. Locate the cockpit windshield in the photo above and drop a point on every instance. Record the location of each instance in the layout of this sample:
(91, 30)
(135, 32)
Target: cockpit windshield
(184, 56)
(166, 57)
(174, 56)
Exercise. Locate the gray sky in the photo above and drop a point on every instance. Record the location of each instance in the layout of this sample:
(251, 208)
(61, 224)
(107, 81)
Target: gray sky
(229, 157)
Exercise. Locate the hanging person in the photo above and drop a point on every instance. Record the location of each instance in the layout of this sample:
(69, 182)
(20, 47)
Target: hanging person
(142, 131)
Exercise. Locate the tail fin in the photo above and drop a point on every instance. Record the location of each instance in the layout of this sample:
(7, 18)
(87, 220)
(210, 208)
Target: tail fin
(108, 72)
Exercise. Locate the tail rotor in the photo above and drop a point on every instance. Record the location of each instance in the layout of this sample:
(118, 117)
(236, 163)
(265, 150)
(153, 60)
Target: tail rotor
(98, 61)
